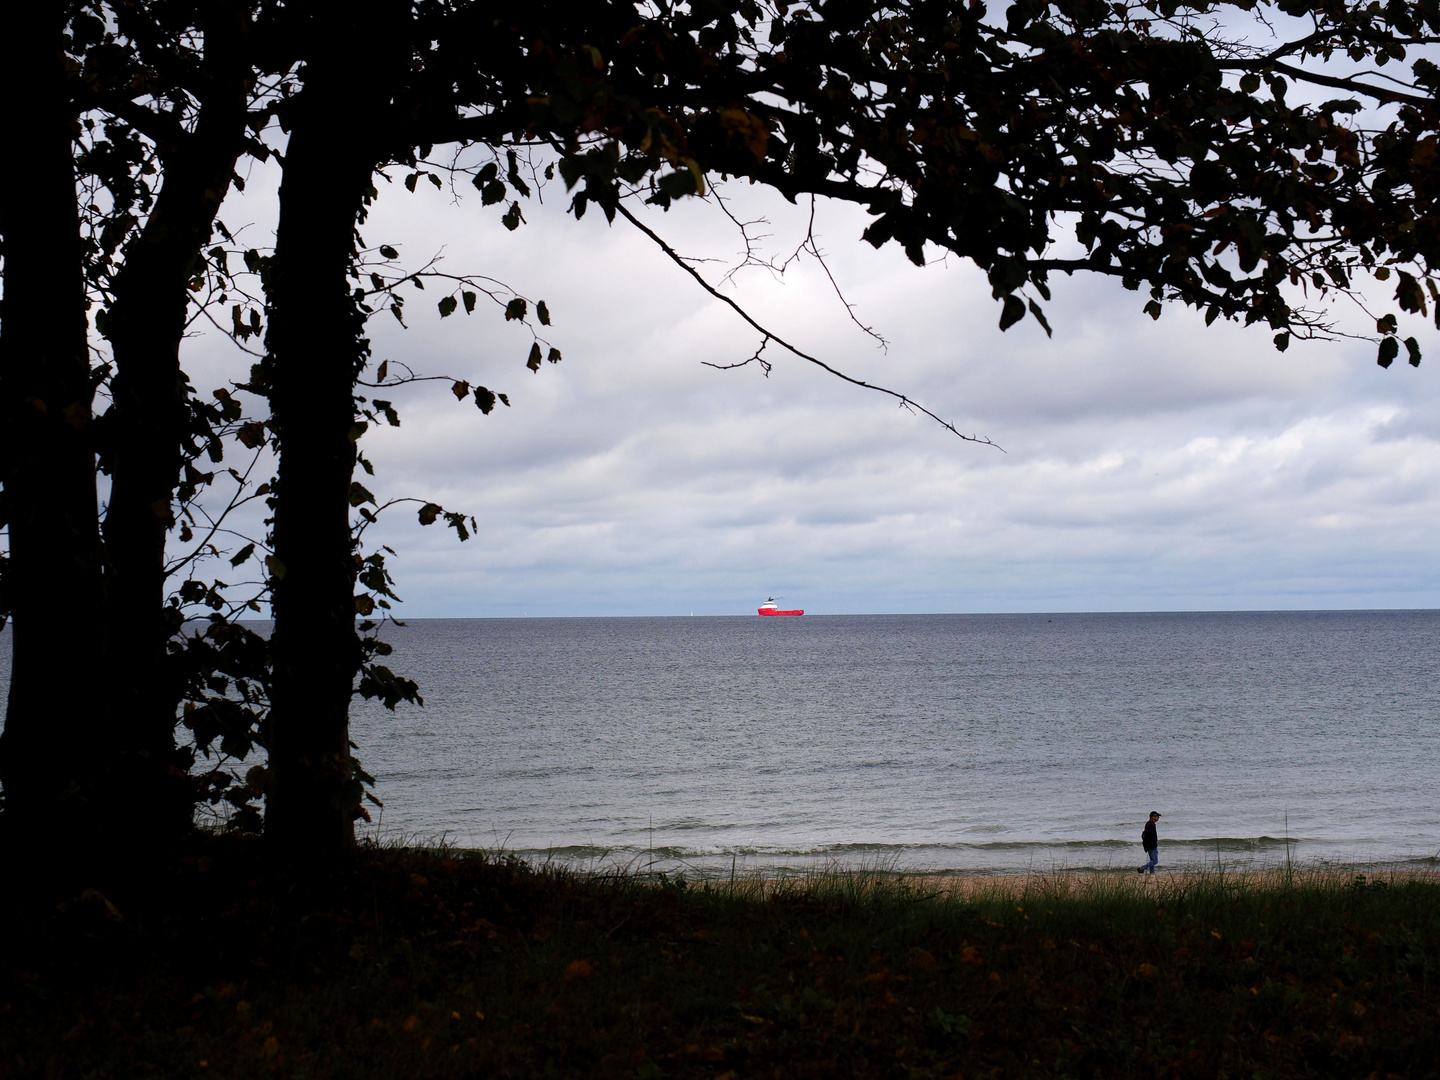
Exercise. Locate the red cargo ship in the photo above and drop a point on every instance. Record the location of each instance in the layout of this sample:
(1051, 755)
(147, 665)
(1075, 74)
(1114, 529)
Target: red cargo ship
(770, 607)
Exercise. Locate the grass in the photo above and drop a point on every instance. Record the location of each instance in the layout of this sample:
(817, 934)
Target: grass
(445, 963)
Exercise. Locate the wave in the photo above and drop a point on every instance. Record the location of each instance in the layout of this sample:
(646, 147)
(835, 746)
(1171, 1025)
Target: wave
(1099, 855)
(882, 852)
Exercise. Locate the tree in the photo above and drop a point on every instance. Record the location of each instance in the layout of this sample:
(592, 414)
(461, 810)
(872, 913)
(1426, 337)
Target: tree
(1137, 128)
(52, 579)
(1171, 154)
(152, 418)
(356, 59)
(160, 100)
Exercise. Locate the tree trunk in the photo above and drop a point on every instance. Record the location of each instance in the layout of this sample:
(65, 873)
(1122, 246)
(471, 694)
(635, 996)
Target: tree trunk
(148, 421)
(54, 750)
(316, 350)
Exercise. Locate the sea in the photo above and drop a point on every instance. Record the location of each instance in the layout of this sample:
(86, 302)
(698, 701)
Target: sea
(710, 746)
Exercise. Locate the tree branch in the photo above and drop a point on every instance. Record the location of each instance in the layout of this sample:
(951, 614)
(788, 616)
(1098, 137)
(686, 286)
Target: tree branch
(905, 401)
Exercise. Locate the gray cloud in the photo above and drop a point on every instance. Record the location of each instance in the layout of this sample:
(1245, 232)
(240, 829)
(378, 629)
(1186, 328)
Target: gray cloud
(1148, 464)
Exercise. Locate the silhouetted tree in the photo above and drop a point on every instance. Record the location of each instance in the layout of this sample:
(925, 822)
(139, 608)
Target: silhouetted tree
(197, 117)
(1140, 130)
(52, 581)
(1166, 150)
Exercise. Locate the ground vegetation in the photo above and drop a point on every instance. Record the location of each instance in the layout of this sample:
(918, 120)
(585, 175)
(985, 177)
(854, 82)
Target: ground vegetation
(445, 963)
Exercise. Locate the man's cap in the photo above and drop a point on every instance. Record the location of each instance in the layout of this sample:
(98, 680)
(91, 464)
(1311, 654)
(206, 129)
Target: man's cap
(1154, 813)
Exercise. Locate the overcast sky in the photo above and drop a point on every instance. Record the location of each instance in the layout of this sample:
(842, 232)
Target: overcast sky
(1146, 465)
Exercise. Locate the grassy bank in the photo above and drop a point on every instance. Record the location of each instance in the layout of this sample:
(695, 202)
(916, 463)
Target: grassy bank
(434, 963)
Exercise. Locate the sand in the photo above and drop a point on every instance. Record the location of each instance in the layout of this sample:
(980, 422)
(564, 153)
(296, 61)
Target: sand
(1081, 883)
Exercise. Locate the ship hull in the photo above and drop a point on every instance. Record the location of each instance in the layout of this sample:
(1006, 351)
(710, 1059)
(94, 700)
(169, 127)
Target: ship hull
(773, 611)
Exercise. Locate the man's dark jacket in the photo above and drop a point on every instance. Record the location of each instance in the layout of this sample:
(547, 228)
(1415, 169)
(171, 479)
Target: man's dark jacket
(1148, 840)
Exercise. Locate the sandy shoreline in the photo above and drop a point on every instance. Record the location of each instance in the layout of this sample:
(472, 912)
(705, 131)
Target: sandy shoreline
(1081, 883)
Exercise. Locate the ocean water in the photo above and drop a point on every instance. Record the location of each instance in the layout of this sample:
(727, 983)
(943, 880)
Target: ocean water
(925, 743)
(918, 742)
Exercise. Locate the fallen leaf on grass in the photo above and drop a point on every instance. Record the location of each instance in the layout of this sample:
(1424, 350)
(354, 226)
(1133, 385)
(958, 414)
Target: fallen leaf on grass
(579, 969)
(923, 959)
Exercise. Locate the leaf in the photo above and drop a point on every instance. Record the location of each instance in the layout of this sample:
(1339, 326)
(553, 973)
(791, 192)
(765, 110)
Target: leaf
(429, 512)
(1013, 312)
(457, 522)
(750, 128)
(410, 181)
(542, 313)
(256, 778)
(359, 494)
(484, 400)
(533, 362)
(491, 193)
(1153, 309)
(252, 435)
(436, 181)
(1282, 340)
(504, 399)
(447, 306)
(513, 174)
(554, 356)
(579, 969)
(1389, 349)
(276, 567)
(243, 554)
(1040, 318)
(364, 604)
(1412, 347)
(469, 298)
(460, 389)
(513, 217)
(382, 370)
(515, 309)
(388, 252)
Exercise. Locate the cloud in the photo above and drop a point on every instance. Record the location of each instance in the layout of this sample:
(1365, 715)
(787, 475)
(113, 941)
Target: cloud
(1146, 464)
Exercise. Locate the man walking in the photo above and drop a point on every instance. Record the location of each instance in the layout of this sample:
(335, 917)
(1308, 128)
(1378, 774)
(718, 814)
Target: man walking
(1151, 843)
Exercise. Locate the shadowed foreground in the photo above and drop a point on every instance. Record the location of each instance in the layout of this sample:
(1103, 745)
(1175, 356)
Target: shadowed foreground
(441, 963)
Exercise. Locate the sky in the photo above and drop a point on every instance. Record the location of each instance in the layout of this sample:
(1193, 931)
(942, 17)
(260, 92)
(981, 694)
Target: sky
(1146, 465)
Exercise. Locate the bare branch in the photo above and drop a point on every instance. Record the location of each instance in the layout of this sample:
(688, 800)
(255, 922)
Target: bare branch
(905, 401)
(765, 365)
